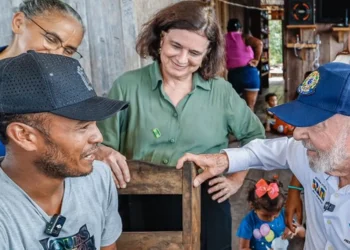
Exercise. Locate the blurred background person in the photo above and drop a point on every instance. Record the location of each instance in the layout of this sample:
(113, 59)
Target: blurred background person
(243, 53)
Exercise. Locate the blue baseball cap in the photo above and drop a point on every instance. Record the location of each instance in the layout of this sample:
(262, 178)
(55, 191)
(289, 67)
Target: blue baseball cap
(324, 93)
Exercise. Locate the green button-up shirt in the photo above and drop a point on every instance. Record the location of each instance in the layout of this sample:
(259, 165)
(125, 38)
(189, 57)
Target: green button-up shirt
(152, 129)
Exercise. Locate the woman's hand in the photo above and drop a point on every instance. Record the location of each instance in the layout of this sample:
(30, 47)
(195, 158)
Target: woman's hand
(253, 63)
(225, 186)
(117, 162)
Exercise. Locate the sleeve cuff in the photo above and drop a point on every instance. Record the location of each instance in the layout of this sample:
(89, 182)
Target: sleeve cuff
(238, 159)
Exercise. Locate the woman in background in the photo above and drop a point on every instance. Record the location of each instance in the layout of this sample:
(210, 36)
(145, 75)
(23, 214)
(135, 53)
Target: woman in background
(243, 54)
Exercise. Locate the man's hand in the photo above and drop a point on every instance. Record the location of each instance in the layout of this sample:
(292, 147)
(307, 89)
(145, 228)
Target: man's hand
(117, 163)
(294, 205)
(225, 186)
(212, 165)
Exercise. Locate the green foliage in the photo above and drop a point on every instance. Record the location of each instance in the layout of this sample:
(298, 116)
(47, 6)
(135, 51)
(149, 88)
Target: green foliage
(275, 40)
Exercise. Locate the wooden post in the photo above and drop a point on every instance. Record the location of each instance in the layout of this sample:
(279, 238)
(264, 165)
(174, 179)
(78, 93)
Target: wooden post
(191, 211)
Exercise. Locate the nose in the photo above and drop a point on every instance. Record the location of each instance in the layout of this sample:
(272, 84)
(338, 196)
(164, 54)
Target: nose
(300, 133)
(182, 57)
(96, 136)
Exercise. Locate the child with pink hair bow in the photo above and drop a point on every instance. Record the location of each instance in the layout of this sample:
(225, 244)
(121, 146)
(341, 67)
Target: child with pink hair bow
(265, 222)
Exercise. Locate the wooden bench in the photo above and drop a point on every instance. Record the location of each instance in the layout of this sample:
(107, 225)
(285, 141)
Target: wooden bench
(147, 178)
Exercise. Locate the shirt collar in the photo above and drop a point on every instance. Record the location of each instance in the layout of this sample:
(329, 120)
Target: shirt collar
(200, 82)
(156, 78)
(2, 48)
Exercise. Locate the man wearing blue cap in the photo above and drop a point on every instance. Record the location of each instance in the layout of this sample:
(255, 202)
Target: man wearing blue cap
(48, 113)
(318, 154)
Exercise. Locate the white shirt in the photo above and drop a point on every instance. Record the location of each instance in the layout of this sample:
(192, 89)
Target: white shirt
(343, 58)
(325, 230)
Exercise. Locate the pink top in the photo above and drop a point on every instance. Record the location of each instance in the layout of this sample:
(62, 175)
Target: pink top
(238, 54)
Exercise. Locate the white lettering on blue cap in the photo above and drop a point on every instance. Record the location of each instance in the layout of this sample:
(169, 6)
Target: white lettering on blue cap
(83, 76)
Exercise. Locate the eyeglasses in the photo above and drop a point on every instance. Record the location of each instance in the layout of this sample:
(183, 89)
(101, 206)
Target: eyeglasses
(52, 42)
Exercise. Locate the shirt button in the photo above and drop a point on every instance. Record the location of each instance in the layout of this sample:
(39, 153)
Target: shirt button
(329, 222)
(172, 140)
(330, 248)
(336, 195)
(175, 114)
(165, 161)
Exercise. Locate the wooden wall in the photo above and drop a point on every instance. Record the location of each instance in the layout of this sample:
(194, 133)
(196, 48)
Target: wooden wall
(109, 43)
(294, 68)
(226, 11)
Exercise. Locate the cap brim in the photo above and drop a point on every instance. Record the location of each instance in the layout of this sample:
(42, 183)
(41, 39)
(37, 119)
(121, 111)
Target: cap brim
(93, 109)
(299, 114)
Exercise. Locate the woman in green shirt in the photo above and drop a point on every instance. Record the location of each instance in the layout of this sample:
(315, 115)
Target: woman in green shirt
(178, 104)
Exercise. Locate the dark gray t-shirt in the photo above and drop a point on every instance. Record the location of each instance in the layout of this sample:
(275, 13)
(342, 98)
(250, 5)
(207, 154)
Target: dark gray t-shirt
(90, 205)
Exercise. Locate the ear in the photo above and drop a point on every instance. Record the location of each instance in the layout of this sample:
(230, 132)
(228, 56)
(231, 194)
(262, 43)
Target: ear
(23, 135)
(18, 22)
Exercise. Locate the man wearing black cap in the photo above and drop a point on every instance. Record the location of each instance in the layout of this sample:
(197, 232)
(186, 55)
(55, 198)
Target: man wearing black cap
(319, 154)
(48, 114)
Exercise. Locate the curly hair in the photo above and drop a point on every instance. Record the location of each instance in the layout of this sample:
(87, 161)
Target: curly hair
(193, 16)
(265, 202)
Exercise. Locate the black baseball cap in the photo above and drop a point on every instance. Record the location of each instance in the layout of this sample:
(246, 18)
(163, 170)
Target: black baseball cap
(35, 82)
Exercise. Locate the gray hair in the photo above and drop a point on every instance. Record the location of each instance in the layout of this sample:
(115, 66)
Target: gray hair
(32, 8)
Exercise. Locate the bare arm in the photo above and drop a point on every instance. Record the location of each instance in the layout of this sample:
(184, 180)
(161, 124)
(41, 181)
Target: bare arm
(257, 46)
(110, 247)
(294, 205)
(244, 244)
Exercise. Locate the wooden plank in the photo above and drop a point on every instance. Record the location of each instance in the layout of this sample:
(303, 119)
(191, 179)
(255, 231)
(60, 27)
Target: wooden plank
(340, 28)
(148, 178)
(310, 26)
(191, 209)
(340, 32)
(5, 20)
(301, 46)
(169, 240)
(129, 35)
(84, 48)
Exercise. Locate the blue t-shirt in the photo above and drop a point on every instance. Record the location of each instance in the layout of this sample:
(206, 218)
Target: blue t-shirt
(2, 147)
(254, 229)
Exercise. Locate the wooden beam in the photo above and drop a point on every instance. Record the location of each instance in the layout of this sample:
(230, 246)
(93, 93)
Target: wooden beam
(306, 26)
(191, 211)
(144, 181)
(340, 33)
(150, 240)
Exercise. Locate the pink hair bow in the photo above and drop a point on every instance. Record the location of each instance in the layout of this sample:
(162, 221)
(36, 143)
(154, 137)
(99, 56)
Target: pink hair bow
(262, 188)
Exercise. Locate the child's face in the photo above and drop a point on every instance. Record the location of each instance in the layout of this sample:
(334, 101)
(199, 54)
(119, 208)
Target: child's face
(266, 215)
(272, 101)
